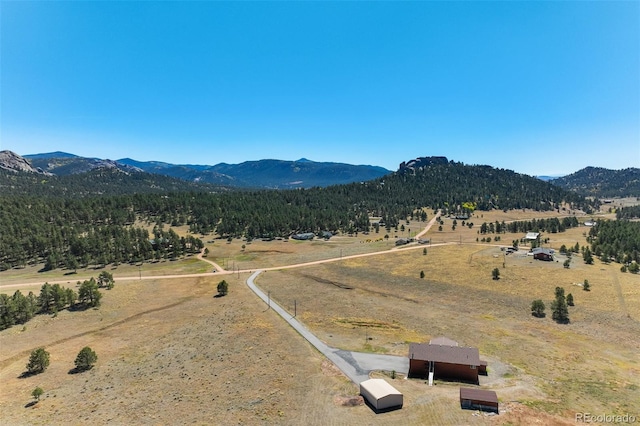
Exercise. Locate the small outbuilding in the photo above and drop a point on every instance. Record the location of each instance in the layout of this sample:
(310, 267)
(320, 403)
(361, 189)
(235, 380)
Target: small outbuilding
(478, 399)
(532, 236)
(381, 395)
(304, 236)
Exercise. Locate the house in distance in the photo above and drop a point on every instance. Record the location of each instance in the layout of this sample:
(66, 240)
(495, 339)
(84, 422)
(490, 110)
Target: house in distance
(543, 254)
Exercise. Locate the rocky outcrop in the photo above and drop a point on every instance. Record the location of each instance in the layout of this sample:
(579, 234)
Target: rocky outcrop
(11, 161)
(419, 163)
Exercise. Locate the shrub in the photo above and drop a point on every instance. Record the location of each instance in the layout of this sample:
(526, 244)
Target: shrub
(37, 393)
(537, 308)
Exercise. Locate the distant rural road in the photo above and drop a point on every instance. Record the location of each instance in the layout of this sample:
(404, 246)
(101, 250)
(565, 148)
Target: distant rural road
(221, 271)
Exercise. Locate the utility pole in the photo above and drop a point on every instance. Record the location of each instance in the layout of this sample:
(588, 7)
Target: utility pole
(295, 308)
(269, 299)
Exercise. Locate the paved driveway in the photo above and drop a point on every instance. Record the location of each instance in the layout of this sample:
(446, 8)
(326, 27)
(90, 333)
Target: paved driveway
(356, 365)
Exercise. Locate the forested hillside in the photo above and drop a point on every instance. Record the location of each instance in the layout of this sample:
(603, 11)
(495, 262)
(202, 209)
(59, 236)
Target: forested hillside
(603, 183)
(62, 230)
(98, 182)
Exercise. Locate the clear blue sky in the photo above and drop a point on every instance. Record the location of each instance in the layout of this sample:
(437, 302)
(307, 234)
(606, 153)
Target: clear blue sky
(537, 87)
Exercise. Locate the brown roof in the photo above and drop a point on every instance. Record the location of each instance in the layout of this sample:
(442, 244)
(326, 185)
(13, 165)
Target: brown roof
(478, 395)
(444, 353)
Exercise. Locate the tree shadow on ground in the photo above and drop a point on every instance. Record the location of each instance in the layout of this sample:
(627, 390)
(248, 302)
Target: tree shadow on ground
(27, 374)
(76, 370)
(31, 404)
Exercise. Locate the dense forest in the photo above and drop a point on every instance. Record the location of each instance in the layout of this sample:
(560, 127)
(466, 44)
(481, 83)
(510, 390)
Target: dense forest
(551, 225)
(616, 240)
(631, 212)
(64, 231)
(98, 182)
(603, 183)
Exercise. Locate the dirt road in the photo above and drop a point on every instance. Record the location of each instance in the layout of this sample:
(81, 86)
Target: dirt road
(221, 271)
(355, 365)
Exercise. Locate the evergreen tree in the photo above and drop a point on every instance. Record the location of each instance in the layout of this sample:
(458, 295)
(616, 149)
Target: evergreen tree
(105, 279)
(86, 359)
(537, 308)
(38, 361)
(496, 273)
(223, 288)
(560, 312)
(89, 294)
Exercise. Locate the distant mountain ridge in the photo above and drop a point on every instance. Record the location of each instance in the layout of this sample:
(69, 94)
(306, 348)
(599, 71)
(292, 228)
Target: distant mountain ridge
(601, 182)
(64, 164)
(272, 174)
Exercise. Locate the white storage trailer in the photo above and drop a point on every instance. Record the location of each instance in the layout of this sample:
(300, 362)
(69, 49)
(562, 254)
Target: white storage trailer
(380, 394)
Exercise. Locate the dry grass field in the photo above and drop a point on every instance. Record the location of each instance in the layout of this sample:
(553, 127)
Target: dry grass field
(171, 353)
(381, 304)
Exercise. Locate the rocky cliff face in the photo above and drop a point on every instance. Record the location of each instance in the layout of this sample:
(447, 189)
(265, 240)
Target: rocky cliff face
(420, 162)
(11, 161)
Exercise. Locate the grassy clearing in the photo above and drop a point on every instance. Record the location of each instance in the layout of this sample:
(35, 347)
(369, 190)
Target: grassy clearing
(167, 349)
(189, 265)
(588, 365)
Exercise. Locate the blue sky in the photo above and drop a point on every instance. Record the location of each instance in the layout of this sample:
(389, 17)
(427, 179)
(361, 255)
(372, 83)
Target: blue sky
(537, 87)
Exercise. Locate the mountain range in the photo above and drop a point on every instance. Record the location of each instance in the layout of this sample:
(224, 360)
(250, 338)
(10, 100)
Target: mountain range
(272, 174)
(280, 174)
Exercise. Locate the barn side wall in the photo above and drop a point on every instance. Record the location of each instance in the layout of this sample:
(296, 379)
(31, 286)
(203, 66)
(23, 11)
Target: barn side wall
(461, 372)
(418, 368)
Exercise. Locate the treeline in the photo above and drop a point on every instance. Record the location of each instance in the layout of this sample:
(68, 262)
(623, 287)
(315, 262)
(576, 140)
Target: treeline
(18, 308)
(72, 233)
(616, 240)
(65, 232)
(98, 182)
(603, 183)
(550, 225)
(632, 212)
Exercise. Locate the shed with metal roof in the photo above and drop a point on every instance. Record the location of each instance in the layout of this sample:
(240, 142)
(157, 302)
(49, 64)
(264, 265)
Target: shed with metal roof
(380, 394)
(478, 399)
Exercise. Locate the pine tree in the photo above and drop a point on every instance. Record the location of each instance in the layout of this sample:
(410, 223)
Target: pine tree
(223, 288)
(38, 361)
(559, 307)
(86, 359)
(537, 308)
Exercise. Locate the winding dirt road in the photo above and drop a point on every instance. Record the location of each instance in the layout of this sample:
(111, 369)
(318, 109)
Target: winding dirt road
(222, 271)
